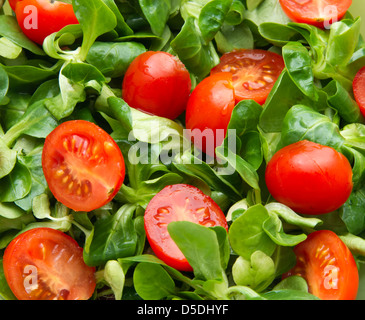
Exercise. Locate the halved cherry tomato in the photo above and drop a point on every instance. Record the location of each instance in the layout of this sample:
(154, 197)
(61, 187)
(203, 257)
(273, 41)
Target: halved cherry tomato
(47, 264)
(327, 265)
(209, 111)
(178, 202)
(359, 89)
(157, 83)
(83, 165)
(320, 13)
(254, 72)
(40, 18)
(309, 178)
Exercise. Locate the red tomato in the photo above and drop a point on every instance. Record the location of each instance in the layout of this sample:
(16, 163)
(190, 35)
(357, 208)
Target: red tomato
(40, 18)
(309, 178)
(209, 110)
(83, 165)
(254, 72)
(46, 264)
(359, 89)
(13, 3)
(320, 13)
(178, 202)
(327, 265)
(157, 83)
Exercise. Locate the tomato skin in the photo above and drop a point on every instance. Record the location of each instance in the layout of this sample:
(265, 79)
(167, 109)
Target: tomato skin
(328, 266)
(13, 3)
(313, 11)
(40, 18)
(178, 202)
(309, 178)
(57, 262)
(157, 83)
(209, 109)
(83, 165)
(254, 72)
(359, 89)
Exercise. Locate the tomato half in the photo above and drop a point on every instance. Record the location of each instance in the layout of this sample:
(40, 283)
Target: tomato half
(40, 18)
(209, 111)
(359, 89)
(83, 165)
(309, 178)
(320, 13)
(157, 83)
(47, 264)
(254, 72)
(327, 265)
(178, 202)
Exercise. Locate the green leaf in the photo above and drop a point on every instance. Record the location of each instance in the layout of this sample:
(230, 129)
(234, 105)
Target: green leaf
(198, 57)
(274, 229)
(96, 19)
(16, 185)
(115, 277)
(200, 247)
(256, 273)
(299, 65)
(247, 235)
(152, 281)
(114, 237)
(156, 13)
(212, 16)
(7, 159)
(304, 123)
(113, 58)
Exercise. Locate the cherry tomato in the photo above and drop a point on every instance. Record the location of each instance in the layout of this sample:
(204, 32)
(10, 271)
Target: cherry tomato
(47, 264)
(327, 265)
(178, 202)
(83, 165)
(320, 13)
(12, 3)
(40, 18)
(157, 83)
(254, 72)
(359, 89)
(309, 178)
(209, 111)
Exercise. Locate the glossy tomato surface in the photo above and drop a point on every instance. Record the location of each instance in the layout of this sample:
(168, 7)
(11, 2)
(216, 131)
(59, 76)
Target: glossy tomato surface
(40, 18)
(178, 202)
(309, 178)
(47, 264)
(359, 89)
(209, 111)
(320, 13)
(254, 72)
(157, 83)
(327, 265)
(83, 165)
(12, 3)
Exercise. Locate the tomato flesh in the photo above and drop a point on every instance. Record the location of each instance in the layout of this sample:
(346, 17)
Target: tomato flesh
(309, 178)
(47, 264)
(209, 111)
(40, 18)
(254, 72)
(320, 13)
(179, 202)
(327, 265)
(157, 83)
(83, 165)
(359, 89)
